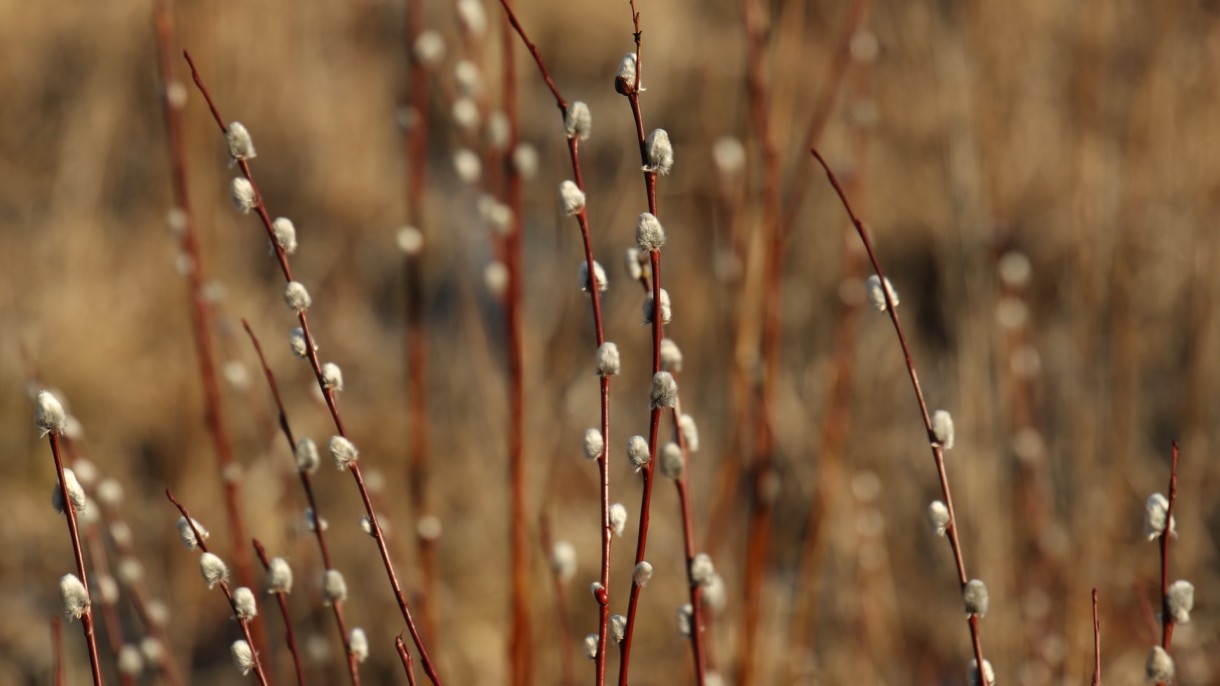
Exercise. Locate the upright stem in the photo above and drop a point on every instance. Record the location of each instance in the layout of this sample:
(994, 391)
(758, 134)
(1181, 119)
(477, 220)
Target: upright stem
(1096, 644)
(1167, 617)
(289, 636)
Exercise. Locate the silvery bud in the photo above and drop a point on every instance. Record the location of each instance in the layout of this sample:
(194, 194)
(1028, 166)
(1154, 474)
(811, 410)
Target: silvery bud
(578, 121)
(659, 151)
(608, 361)
(241, 146)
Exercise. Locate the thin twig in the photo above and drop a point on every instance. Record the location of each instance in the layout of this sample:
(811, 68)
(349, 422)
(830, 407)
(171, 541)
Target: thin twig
(561, 609)
(408, 665)
(1096, 643)
(289, 635)
(57, 650)
(1167, 622)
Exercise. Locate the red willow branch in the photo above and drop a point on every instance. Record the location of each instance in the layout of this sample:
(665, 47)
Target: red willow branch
(938, 454)
(416, 351)
(1167, 618)
(328, 393)
(695, 587)
(336, 604)
(257, 664)
(408, 664)
(520, 639)
(57, 650)
(1096, 644)
(173, 96)
(289, 636)
(561, 609)
(582, 218)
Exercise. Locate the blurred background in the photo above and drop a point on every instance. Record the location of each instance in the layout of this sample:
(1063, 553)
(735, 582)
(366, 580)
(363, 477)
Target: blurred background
(1040, 178)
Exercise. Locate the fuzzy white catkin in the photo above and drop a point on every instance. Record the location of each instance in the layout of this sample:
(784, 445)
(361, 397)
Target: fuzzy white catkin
(649, 234)
(332, 376)
(279, 576)
(241, 192)
(472, 17)
(609, 363)
(590, 646)
(241, 146)
(686, 616)
(130, 570)
(976, 598)
(410, 240)
(525, 160)
(49, 415)
(729, 155)
(618, 627)
(938, 517)
(571, 198)
(358, 643)
(563, 560)
(73, 596)
(495, 277)
(1181, 600)
(671, 356)
(624, 80)
(667, 312)
(876, 296)
(701, 569)
(313, 522)
(599, 274)
(285, 234)
(187, 535)
(76, 494)
(594, 444)
(106, 589)
(296, 339)
(344, 452)
(243, 656)
(466, 113)
(334, 587)
(429, 48)
(637, 452)
(618, 518)
(131, 662)
(988, 676)
(942, 428)
(213, 569)
(297, 296)
(1159, 666)
(467, 165)
(597, 590)
(469, 80)
(497, 130)
(244, 604)
(1156, 509)
(672, 464)
(642, 573)
(659, 151)
(578, 121)
(664, 390)
(306, 454)
(690, 432)
(715, 593)
(631, 261)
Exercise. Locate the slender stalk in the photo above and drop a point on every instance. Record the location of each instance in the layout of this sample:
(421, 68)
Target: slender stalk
(336, 605)
(1167, 622)
(57, 650)
(289, 636)
(224, 588)
(603, 465)
(1096, 644)
(408, 664)
(561, 610)
(86, 618)
(938, 454)
(688, 541)
(327, 392)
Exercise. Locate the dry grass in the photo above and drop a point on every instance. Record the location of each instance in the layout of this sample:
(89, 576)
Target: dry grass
(1083, 136)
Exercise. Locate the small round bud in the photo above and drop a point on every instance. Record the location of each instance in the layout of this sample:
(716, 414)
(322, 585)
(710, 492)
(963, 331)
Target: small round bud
(715, 595)
(158, 615)
(152, 650)
(729, 155)
(686, 617)
(131, 662)
(130, 570)
(659, 151)
(597, 590)
(599, 274)
(297, 296)
(942, 428)
(315, 523)
(358, 644)
(608, 361)
(664, 390)
(334, 587)
(296, 339)
(410, 240)
(428, 528)
(673, 465)
(591, 646)
(595, 445)
(877, 296)
(49, 415)
(243, 656)
(987, 678)
(469, 80)
(344, 452)
(631, 261)
(618, 627)
(497, 132)
(429, 48)
(73, 596)
(649, 234)
(618, 518)
(571, 199)
(642, 573)
(467, 165)
(213, 569)
(671, 356)
(701, 569)
(495, 277)
(241, 146)
(578, 121)
(279, 576)
(690, 432)
(1159, 666)
(244, 604)
(466, 113)
(109, 493)
(241, 192)
(332, 376)
(976, 598)
(563, 560)
(472, 17)
(624, 80)
(938, 517)
(525, 160)
(1156, 510)
(285, 234)
(366, 525)
(76, 494)
(306, 455)
(638, 453)
(187, 534)
(1181, 600)
(667, 313)
(106, 589)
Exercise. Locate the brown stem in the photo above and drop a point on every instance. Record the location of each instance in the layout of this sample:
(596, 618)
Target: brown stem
(327, 392)
(1167, 622)
(561, 609)
(938, 454)
(289, 636)
(688, 542)
(408, 665)
(57, 650)
(1096, 643)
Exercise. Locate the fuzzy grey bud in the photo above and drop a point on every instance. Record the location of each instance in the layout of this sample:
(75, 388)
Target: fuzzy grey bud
(73, 596)
(649, 234)
(334, 587)
(213, 569)
(686, 617)
(987, 678)
(344, 452)
(671, 356)
(358, 644)
(877, 296)
(76, 494)
(279, 576)
(241, 146)
(938, 517)
(1181, 600)
(701, 569)
(49, 415)
(241, 192)
(667, 313)
(673, 465)
(285, 234)
(590, 646)
(618, 518)
(578, 121)
(638, 453)
(942, 428)
(618, 627)
(296, 339)
(1156, 509)
(187, 534)
(571, 199)
(624, 80)
(976, 598)
(690, 432)
(642, 573)
(563, 560)
(243, 656)
(594, 444)
(631, 261)
(297, 297)
(244, 604)
(664, 390)
(306, 455)
(608, 361)
(599, 275)
(332, 376)
(1159, 666)
(659, 151)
